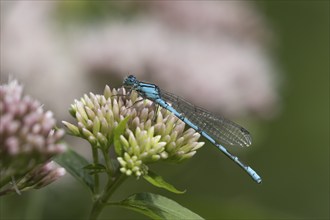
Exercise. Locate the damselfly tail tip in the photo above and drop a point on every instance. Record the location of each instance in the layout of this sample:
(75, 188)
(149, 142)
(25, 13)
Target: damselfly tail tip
(256, 178)
(259, 181)
(253, 174)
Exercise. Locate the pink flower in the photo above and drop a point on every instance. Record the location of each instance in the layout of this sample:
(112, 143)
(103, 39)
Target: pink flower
(27, 135)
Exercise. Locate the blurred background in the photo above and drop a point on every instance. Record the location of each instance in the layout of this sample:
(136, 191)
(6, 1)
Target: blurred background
(262, 64)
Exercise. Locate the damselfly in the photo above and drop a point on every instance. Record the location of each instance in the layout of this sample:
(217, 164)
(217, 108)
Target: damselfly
(214, 128)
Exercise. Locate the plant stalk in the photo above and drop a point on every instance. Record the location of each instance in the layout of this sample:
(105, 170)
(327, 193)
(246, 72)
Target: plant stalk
(101, 202)
(96, 175)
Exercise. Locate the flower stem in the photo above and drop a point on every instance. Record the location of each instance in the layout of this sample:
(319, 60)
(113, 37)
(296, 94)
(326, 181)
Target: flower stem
(4, 180)
(108, 163)
(101, 202)
(96, 175)
(6, 191)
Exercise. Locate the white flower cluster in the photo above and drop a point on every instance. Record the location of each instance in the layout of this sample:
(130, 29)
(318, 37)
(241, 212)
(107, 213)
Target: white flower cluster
(147, 137)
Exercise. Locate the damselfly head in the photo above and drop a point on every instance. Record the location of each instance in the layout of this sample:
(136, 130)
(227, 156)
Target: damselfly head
(130, 81)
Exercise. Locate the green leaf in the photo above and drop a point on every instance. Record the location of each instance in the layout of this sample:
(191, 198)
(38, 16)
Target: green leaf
(74, 164)
(95, 168)
(157, 207)
(119, 130)
(158, 181)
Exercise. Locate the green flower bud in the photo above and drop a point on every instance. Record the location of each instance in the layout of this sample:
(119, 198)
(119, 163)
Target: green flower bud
(72, 128)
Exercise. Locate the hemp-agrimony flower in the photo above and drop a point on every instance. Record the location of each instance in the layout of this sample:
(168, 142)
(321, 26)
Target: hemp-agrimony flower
(41, 176)
(151, 133)
(27, 137)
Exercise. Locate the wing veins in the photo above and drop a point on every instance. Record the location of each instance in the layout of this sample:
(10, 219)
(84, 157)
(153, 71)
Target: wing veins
(221, 129)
